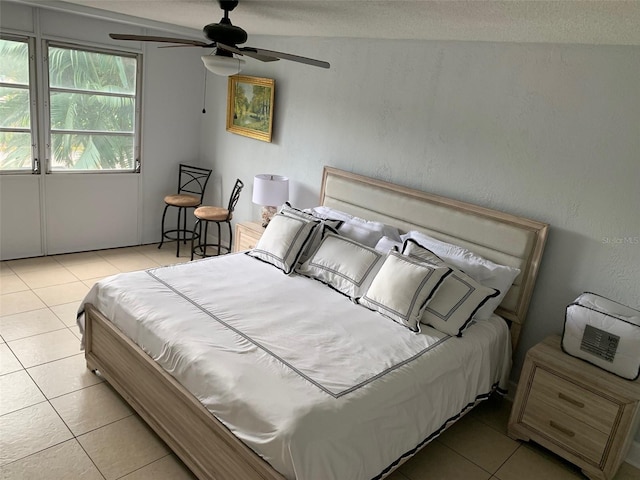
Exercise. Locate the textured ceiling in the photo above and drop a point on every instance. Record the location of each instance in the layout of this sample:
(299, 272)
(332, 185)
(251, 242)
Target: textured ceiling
(558, 21)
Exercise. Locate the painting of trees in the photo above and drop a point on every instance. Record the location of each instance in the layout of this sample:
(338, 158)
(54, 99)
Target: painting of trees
(251, 104)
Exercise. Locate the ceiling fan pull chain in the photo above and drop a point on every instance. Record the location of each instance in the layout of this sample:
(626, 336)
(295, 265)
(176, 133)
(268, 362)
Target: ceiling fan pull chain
(204, 99)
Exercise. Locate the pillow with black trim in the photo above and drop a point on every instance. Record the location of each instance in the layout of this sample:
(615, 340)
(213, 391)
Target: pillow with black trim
(458, 299)
(317, 235)
(402, 288)
(283, 241)
(488, 273)
(343, 264)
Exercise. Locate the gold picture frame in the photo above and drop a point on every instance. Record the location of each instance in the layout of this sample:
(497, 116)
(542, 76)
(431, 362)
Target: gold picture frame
(250, 106)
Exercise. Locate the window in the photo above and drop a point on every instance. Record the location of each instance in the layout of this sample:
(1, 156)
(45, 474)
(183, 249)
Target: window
(17, 141)
(93, 110)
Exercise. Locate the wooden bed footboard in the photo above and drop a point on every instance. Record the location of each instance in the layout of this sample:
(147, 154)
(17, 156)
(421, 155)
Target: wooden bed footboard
(204, 444)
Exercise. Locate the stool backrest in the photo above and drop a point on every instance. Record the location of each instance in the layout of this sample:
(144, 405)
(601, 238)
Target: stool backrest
(235, 196)
(193, 180)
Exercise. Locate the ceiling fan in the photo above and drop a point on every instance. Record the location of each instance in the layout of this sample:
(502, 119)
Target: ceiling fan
(225, 38)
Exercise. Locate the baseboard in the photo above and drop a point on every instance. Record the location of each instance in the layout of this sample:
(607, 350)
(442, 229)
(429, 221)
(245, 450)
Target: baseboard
(633, 456)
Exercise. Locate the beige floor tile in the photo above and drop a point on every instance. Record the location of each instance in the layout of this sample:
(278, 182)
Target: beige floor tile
(21, 432)
(48, 276)
(66, 461)
(166, 257)
(20, 325)
(530, 462)
(167, 468)
(396, 476)
(60, 294)
(479, 443)
(131, 262)
(67, 312)
(63, 376)
(76, 332)
(438, 462)
(11, 284)
(5, 269)
(46, 347)
(494, 412)
(27, 264)
(98, 268)
(118, 252)
(90, 282)
(68, 259)
(150, 247)
(19, 302)
(17, 391)
(8, 361)
(627, 472)
(90, 408)
(122, 447)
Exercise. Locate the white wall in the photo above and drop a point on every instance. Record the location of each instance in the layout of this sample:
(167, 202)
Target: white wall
(550, 132)
(172, 100)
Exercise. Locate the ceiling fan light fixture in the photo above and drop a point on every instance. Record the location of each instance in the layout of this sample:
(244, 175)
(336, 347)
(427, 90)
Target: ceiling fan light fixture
(222, 65)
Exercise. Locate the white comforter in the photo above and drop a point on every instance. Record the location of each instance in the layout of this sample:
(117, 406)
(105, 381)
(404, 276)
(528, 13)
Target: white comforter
(320, 387)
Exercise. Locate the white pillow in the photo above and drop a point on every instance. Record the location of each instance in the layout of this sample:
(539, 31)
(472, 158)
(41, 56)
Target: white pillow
(489, 274)
(316, 236)
(460, 296)
(343, 264)
(284, 240)
(362, 231)
(402, 288)
(386, 244)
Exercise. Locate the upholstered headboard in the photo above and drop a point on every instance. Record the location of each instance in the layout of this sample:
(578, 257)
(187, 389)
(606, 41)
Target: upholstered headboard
(500, 237)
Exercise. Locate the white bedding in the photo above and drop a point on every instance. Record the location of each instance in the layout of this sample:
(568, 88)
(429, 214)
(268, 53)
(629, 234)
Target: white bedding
(320, 387)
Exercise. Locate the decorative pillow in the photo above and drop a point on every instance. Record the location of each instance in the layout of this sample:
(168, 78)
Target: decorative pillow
(283, 241)
(343, 264)
(316, 236)
(489, 274)
(402, 288)
(459, 297)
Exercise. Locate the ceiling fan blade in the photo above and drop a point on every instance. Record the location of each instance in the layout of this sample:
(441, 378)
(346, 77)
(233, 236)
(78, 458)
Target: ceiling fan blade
(147, 38)
(285, 56)
(262, 58)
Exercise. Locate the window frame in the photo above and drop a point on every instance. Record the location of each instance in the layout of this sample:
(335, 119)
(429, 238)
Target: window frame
(32, 87)
(48, 90)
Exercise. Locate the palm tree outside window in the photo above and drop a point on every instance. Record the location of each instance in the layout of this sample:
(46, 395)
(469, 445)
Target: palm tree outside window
(90, 116)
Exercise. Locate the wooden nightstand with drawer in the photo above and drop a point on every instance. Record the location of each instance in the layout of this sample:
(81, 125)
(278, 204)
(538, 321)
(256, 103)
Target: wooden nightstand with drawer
(247, 236)
(580, 412)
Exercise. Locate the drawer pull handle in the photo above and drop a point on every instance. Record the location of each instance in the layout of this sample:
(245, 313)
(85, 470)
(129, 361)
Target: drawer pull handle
(577, 403)
(562, 429)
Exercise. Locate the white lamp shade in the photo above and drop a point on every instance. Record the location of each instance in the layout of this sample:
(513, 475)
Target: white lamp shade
(270, 190)
(221, 65)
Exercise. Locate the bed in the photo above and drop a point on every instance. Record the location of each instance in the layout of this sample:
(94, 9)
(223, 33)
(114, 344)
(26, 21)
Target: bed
(308, 406)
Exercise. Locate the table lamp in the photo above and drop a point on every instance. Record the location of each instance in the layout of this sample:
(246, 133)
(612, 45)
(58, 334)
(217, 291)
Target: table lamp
(270, 191)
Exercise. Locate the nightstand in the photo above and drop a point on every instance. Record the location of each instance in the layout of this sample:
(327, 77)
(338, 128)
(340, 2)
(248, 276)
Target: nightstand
(582, 413)
(247, 235)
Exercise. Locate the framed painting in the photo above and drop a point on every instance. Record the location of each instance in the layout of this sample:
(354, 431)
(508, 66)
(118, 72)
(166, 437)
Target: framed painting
(250, 106)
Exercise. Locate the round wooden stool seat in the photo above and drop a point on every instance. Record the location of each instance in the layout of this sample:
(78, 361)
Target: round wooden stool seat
(212, 214)
(182, 200)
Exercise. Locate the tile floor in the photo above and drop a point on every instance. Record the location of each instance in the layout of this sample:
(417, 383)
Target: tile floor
(58, 421)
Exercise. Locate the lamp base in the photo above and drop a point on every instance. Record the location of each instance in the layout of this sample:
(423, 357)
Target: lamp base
(266, 213)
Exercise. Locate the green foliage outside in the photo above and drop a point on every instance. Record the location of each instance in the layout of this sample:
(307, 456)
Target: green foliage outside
(92, 109)
(253, 112)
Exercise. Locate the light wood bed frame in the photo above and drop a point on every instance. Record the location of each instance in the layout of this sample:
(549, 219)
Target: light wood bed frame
(206, 446)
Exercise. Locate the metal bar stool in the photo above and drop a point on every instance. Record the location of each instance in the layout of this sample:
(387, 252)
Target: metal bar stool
(192, 182)
(217, 215)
